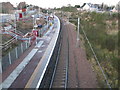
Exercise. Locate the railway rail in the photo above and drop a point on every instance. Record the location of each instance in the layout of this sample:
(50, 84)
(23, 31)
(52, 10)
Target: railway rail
(60, 75)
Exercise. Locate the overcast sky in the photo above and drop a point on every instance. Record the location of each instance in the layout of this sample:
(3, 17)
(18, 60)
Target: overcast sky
(59, 3)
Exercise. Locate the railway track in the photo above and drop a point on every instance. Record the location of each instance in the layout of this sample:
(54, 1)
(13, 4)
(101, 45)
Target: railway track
(60, 75)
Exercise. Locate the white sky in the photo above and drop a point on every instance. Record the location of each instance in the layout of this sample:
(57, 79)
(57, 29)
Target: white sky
(59, 3)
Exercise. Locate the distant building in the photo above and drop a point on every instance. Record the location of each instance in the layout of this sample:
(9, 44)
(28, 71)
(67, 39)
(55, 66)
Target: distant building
(114, 10)
(90, 7)
(7, 7)
(78, 9)
(21, 5)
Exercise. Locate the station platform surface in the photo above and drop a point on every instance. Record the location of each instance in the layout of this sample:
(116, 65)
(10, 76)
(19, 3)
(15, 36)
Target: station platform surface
(18, 74)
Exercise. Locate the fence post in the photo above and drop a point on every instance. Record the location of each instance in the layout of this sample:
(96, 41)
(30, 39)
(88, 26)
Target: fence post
(36, 40)
(16, 38)
(26, 44)
(0, 72)
(29, 42)
(16, 52)
(0, 66)
(22, 47)
(9, 58)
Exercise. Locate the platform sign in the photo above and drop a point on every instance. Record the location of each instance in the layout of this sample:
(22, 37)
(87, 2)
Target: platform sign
(35, 32)
(20, 15)
(24, 10)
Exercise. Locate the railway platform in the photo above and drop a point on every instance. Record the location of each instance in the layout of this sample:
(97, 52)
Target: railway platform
(28, 70)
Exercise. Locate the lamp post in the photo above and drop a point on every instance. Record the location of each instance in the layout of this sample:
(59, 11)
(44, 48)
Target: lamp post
(35, 24)
(47, 18)
(33, 21)
(15, 22)
(39, 11)
(15, 18)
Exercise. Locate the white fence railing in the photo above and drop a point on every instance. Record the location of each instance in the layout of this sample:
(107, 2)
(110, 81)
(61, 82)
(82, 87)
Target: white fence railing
(14, 54)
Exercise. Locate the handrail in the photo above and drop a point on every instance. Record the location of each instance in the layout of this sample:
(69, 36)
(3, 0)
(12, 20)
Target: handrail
(7, 43)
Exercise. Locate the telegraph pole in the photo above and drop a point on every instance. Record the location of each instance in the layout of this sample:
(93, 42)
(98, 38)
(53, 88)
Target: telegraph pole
(78, 33)
(78, 30)
(39, 10)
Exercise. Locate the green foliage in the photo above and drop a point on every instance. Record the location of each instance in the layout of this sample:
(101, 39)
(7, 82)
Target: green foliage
(115, 61)
(68, 9)
(119, 43)
(109, 43)
(104, 45)
(96, 31)
(44, 10)
(4, 11)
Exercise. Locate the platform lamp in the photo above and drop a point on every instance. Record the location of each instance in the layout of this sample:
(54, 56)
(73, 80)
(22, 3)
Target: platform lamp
(15, 18)
(33, 21)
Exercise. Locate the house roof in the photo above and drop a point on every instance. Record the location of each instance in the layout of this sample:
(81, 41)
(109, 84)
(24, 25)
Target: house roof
(90, 5)
(83, 5)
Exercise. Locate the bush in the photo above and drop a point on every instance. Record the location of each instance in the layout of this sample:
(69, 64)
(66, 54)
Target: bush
(104, 45)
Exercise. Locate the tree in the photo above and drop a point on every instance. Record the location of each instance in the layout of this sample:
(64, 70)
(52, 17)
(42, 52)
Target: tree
(44, 10)
(105, 7)
(69, 5)
(7, 7)
(21, 5)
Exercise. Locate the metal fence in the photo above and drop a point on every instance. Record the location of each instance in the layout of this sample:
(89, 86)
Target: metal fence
(14, 55)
